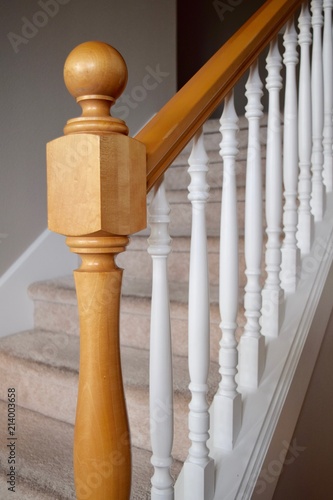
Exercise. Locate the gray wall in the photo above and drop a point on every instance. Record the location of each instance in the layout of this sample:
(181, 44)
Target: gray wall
(35, 104)
(307, 475)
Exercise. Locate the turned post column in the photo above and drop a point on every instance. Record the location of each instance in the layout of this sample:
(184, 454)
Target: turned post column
(97, 197)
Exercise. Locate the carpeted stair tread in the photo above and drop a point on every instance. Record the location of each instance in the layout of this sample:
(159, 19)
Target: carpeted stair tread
(24, 491)
(44, 463)
(62, 290)
(61, 316)
(51, 349)
(43, 366)
(43, 452)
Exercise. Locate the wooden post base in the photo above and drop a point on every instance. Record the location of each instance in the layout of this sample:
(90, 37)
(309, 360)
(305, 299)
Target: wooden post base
(102, 456)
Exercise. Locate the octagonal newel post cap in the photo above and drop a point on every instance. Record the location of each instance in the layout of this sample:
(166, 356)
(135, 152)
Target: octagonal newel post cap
(96, 75)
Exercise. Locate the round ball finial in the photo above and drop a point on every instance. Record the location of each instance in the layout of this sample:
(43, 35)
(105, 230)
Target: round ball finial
(94, 68)
(95, 74)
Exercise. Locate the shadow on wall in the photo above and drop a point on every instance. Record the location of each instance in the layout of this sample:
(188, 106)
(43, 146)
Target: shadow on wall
(203, 27)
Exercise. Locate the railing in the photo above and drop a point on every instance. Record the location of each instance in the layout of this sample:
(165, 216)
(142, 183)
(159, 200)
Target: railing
(97, 184)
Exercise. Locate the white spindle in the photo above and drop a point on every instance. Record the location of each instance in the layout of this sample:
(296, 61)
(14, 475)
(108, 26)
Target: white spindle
(161, 385)
(305, 219)
(199, 467)
(272, 293)
(317, 197)
(252, 343)
(227, 402)
(328, 94)
(290, 252)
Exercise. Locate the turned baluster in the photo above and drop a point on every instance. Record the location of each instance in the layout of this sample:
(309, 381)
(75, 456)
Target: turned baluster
(290, 253)
(272, 293)
(227, 401)
(96, 197)
(317, 95)
(328, 95)
(160, 373)
(305, 219)
(252, 343)
(199, 467)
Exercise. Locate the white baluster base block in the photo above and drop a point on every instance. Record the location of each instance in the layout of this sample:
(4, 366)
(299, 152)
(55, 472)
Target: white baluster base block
(199, 481)
(305, 233)
(290, 269)
(328, 167)
(317, 203)
(251, 361)
(227, 420)
(272, 312)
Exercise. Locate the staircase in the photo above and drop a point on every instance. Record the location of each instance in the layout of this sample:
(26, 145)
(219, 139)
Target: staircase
(42, 364)
(98, 179)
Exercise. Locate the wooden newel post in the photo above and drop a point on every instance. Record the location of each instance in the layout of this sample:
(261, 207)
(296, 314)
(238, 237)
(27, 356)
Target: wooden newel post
(97, 197)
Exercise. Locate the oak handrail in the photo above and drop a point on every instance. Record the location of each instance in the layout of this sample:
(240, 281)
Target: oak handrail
(168, 132)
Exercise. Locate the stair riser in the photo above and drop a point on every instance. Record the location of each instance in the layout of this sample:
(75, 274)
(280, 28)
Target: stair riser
(177, 177)
(135, 330)
(178, 265)
(138, 410)
(134, 323)
(213, 136)
(56, 316)
(181, 218)
(181, 214)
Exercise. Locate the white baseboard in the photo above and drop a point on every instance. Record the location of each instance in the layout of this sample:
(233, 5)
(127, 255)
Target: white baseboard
(46, 258)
